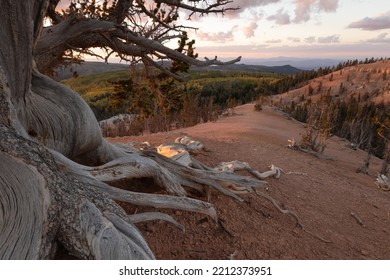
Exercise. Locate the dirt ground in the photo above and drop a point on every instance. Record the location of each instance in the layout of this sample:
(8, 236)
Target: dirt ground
(333, 201)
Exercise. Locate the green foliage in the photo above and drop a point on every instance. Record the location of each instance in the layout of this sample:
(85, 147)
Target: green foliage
(90, 9)
(111, 93)
(91, 85)
(185, 46)
(311, 90)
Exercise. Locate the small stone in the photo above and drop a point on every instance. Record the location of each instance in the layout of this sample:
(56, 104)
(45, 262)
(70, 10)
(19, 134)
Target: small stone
(150, 228)
(178, 213)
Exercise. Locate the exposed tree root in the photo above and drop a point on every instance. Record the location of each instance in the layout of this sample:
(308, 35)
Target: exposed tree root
(235, 165)
(292, 214)
(358, 219)
(150, 216)
(63, 209)
(57, 172)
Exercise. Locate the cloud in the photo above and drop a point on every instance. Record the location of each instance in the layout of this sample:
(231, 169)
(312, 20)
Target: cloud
(323, 40)
(244, 4)
(247, 4)
(329, 39)
(256, 15)
(304, 8)
(328, 5)
(276, 41)
(376, 23)
(249, 31)
(218, 37)
(380, 39)
(310, 40)
(294, 39)
(281, 17)
(342, 51)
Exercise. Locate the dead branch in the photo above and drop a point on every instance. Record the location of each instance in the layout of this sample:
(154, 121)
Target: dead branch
(358, 219)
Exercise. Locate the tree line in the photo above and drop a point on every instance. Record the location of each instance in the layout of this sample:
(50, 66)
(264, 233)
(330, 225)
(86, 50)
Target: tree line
(360, 122)
(161, 103)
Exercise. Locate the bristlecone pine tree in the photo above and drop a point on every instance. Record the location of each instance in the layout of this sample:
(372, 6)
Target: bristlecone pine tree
(56, 171)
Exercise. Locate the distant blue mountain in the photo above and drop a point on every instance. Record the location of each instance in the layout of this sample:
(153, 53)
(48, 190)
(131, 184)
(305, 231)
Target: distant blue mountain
(92, 67)
(301, 63)
(280, 69)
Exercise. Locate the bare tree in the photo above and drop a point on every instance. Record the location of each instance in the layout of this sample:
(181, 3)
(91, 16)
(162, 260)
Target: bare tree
(321, 116)
(56, 170)
(384, 132)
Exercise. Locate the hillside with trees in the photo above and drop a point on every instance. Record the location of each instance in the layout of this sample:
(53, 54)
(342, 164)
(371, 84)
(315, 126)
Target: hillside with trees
(205, 93)
(351, 101)
(67, 190)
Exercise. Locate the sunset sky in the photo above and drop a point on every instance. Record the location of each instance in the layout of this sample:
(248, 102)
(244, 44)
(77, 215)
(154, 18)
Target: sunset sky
(338, 29)
(298, 28)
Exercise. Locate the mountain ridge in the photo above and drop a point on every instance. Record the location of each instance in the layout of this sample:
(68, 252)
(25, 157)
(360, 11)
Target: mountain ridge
(93, 67)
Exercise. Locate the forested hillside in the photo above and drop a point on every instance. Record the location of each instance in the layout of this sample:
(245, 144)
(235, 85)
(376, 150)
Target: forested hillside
(351, 101)
(166, 102)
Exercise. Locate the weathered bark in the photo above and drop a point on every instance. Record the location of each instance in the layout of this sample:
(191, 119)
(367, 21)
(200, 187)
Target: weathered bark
(56, 170)
(41, 205)
(77, 33)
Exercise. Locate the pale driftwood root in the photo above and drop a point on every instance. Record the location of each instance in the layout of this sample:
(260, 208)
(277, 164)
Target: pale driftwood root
(47, 205)
(151, 216)
(179, 152)
(292, 214)
(109, 237)
(235, 165)
(85, 175)
(383, 182)
(358, 219)
(192, 146)
(133, 166)
(44, 202)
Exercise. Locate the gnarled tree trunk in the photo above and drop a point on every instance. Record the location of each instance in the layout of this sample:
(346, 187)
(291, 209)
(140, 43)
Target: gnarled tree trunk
(56, 170)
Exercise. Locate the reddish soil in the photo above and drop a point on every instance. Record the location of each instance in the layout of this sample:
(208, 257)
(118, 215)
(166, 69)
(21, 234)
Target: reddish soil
(331, 199)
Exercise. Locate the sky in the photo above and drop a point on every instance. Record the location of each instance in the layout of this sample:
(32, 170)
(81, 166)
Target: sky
(338, 29)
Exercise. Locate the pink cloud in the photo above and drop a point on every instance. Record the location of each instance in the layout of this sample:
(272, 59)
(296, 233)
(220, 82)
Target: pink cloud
(329, 39)
(243, 4)
(247, 4)
(373, 23)
(276, 41)
(249, 31)
(304, 8)
(281, 17)
(329, 5)
(294, 39)
(380, 39)
(310, 39)
(323, 40)
(219, 37)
